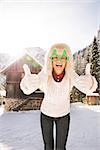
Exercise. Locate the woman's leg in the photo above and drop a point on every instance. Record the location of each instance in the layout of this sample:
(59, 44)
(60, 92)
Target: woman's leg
(47, 132)
(62, 128)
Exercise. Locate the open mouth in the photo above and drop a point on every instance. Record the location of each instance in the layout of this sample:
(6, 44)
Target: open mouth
(58, 65)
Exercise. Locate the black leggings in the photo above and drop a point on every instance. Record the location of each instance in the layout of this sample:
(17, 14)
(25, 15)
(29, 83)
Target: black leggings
(62, 128)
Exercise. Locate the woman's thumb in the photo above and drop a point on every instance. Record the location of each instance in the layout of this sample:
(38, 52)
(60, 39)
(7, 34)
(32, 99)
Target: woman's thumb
(87, 70)
(26, 69)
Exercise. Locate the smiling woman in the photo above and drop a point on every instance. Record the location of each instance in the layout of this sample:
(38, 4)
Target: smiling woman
(56, 80)
(59, 60)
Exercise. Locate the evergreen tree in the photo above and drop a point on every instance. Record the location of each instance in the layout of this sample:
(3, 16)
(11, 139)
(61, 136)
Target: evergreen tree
(95, 60)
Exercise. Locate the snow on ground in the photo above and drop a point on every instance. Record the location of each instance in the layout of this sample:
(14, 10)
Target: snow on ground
(1, 109)
(21, 130)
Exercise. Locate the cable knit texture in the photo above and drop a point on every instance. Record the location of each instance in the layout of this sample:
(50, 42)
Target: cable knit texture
(56, 102)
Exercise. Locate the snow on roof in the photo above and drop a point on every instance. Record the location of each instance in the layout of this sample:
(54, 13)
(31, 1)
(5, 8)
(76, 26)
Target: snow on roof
(14, 59)
(93, 94)
(35, 52)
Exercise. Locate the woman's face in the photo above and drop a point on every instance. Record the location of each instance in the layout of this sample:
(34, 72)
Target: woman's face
(59, 61)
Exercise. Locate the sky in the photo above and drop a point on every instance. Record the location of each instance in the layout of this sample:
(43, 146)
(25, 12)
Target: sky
(35, 23)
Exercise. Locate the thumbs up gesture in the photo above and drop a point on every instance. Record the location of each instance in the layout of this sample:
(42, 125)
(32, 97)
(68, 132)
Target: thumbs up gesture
(88, 75)
(86, 83)
(91, 80)
(30, 82)
(87, 70)
(26, 69)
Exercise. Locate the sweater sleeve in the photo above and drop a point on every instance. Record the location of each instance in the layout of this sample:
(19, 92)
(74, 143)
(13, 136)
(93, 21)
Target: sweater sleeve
(84, 83)
(31, 82)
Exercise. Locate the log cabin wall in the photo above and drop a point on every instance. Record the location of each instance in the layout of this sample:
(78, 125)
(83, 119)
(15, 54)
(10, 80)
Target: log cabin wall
(14, 74)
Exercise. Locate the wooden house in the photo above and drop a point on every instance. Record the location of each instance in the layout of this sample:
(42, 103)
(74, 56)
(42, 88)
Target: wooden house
(14, 73)
(93, 98)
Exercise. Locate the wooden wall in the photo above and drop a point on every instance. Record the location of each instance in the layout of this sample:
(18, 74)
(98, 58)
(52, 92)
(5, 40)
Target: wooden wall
(14, 74)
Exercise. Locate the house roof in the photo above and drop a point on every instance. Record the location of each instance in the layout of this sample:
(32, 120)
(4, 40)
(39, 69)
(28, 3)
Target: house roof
(35, 52)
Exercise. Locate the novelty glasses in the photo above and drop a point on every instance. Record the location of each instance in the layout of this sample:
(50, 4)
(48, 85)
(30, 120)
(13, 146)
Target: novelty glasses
(55, 57)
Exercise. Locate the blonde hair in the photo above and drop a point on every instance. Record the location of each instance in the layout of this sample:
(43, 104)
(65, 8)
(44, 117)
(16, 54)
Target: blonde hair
(48, 64)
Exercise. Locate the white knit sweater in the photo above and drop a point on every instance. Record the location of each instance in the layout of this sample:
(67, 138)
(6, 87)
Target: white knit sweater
(56, 102)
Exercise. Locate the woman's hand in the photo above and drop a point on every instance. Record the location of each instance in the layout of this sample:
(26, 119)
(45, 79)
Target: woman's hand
(87, 70)
(26, 69)
(88, 76)
(30, 82)
(86, 83)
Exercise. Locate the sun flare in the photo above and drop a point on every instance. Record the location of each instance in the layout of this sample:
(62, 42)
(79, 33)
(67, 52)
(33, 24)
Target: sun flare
(14, 52)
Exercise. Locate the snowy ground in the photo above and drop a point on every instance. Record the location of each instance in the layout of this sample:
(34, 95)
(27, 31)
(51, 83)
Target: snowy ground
(21, 130)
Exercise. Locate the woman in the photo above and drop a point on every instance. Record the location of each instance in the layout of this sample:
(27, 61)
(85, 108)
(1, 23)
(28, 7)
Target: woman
(56, 80)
